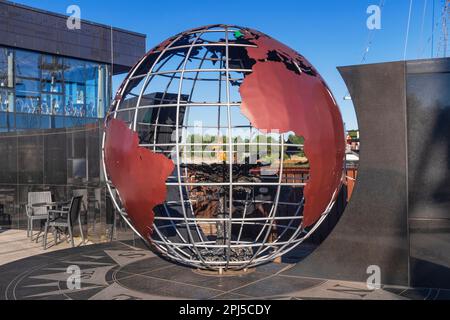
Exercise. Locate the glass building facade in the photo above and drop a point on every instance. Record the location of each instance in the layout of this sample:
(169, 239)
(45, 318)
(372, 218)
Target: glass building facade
(51, 115)
(42, 91)
(55, 86)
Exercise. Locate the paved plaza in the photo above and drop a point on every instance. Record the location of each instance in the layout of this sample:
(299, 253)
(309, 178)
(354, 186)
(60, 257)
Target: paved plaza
(119, 270)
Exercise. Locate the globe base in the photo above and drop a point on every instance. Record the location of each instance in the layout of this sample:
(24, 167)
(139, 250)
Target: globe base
(222, 272)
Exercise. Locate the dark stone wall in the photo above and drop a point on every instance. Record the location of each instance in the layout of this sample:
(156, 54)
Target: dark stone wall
(32, 29)
(428, 97)
(399, 215)
(373, 229)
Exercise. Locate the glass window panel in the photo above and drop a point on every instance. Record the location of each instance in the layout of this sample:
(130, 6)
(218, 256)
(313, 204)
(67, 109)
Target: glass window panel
(75, 85)
(45, 122)
(27, 86)
(91, 120)
(74, 71)
(27, 64)
(75, 105)
(74, 122)
(52, 104)
(52, 72)
(97, 91)
(57, 122)
(8, 146)
(7, 120)
(92, 94)
(27, 121)
(30, 157)
(6, 67)
(3, 119)
(6, 100)
(27, 103)
(53, 87)
(55, 165)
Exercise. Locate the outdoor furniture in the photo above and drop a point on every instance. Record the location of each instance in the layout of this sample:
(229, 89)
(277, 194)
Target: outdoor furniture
(37, 209)
(97, 203)
(7, 199)
(84, 201)
(5, 219)
(64, 218)
(84, 209)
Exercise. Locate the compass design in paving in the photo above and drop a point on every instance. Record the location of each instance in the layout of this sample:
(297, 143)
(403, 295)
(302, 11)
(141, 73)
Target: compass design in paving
(118, 271)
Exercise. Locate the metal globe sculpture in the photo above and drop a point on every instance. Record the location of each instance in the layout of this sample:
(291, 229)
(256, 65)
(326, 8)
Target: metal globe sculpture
(223, 148)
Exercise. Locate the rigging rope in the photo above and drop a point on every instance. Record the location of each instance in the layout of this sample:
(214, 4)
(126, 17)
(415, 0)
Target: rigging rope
(369, 42)
(407, 29)
(432, 30)
(421, 45)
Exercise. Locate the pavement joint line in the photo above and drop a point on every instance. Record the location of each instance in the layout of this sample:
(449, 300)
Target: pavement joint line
(262, 279)
(327, 280)
(131, 247)
(306, 277)
(132, 274)
(238, 294)
(182, 283)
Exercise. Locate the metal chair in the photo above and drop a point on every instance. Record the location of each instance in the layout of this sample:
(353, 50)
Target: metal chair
(84, 203)
(97, 204)
(64, 218)
(37, 209)
(5, 218)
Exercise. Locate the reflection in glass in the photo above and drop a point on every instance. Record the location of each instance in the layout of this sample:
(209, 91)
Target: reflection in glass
(52, 104)
(27, 89)
(75, 78)
(52, 85)
(74, 122)
(6, 100)
(52, 71)
(27, 64)
(27, 121)
(40, 91)
(27, 103)
(6, 121)
(27, 86)
(7, 205)
(6, 67)
(30, 159)
(92, 78)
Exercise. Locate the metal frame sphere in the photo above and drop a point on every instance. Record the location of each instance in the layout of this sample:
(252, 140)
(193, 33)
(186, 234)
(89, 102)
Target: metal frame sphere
(168, 79)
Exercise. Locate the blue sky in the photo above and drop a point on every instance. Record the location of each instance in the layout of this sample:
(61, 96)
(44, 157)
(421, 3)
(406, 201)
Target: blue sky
(329, 33)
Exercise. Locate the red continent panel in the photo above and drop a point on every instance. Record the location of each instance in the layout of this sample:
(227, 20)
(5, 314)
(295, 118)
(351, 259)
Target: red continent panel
(274, 97)
(138, 174)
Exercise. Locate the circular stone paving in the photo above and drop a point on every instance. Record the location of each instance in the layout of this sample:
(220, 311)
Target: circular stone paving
(117, 271)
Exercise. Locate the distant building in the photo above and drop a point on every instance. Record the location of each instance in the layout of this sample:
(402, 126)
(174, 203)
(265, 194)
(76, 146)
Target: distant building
(352, 140)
